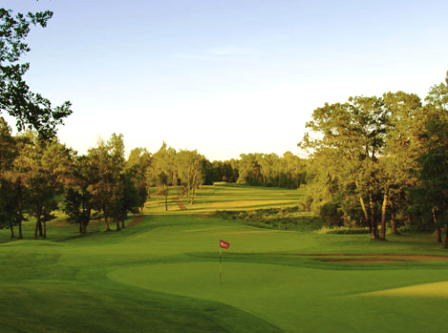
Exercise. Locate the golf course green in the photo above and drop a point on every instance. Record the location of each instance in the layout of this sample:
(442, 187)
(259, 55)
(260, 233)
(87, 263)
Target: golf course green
(162, 274)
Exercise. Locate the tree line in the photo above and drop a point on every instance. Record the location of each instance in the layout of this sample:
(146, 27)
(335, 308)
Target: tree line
(380, 159)
(40, 176)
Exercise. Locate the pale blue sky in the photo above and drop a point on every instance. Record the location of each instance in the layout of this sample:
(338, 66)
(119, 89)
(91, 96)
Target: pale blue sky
(225, 76)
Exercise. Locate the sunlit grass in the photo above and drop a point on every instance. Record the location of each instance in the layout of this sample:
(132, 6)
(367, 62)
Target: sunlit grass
(426, 290)
(222, 197)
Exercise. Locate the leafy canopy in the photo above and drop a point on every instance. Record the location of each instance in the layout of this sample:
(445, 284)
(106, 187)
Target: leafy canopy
(31, 110)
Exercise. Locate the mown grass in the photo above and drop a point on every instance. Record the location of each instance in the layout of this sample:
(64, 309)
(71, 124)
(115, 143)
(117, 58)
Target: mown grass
(163, 276)
(226, 197)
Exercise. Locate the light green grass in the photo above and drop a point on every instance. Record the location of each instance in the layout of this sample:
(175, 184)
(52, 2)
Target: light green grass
(163, 276)
(224, 197)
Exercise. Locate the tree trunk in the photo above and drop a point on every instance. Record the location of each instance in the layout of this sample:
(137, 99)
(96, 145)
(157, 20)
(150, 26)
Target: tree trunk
(297, 179)
(166, 198)
(122, 221)
(12, 229)
(438, 231)
(19, 222)
(438, 235)
(393, 225)
(189, 185)
(374, 233)
(383, 214)
(446, 238)
(192, 198)
(41, 233)
(117, 221)
(106, 221)
(19, 206)
(366, 214)
(36, 229)
(86, 220)
(81, 219)
(45, 229)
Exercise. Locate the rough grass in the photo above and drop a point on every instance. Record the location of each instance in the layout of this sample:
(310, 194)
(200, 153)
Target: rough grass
(286, 218)
(162, 275)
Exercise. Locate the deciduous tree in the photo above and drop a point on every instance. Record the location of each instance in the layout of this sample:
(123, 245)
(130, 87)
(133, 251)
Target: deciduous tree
(31, 110)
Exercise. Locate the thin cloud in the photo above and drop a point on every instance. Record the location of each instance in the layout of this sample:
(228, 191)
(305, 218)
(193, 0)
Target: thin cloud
(231, 51)
(219, 53)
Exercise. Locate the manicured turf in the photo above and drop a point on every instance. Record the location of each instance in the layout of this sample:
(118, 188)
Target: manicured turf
(162, 275)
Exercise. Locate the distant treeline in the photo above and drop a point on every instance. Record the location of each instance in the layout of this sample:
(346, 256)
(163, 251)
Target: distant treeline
(287, 171)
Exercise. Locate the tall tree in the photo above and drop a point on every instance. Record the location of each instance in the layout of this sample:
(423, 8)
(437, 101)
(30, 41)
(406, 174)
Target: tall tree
(433, 193)
(8, 152)
(48, 164)
(402, 146)
(78, 202)
(351, 136)
(190, 164)
(139, 164)
(128, 198)
(294, 167)
(431, 196)
(105, 188)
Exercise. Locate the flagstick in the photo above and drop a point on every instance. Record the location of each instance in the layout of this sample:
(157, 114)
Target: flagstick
(220, 266)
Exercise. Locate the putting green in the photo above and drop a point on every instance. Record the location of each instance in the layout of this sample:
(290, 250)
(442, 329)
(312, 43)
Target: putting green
(254, 288)
(295, 299)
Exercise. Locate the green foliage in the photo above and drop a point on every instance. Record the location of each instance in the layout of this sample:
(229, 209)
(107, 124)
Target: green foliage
(289, 218)
(8, 205)
(332, 214)
(28, 108)
(344, 231)
(430, 197)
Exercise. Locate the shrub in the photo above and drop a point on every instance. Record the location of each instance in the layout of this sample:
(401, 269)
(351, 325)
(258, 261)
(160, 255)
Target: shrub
(332, 214)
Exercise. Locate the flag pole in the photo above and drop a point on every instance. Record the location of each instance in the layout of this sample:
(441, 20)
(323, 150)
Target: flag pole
(220, 266)
(222, 245)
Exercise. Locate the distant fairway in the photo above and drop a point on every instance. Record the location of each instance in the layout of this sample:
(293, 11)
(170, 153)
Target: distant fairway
(162, 275)
(228, 197)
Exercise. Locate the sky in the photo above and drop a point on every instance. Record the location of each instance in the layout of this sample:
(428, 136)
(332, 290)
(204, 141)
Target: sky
(225, 77)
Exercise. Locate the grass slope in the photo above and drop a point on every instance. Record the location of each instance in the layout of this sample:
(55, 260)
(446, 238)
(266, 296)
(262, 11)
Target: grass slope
(163, 276)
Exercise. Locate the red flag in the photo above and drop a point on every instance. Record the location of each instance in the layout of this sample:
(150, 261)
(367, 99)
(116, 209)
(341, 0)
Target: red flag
(224, 244)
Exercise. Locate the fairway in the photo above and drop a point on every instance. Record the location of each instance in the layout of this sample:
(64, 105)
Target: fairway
(162, 275)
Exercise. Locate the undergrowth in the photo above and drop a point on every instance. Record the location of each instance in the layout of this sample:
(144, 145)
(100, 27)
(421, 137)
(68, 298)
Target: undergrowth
(290, 218)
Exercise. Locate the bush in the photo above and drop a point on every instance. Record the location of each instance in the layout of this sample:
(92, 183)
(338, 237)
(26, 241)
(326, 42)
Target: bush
(290, 218)
(332, 214)
(343, 231)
